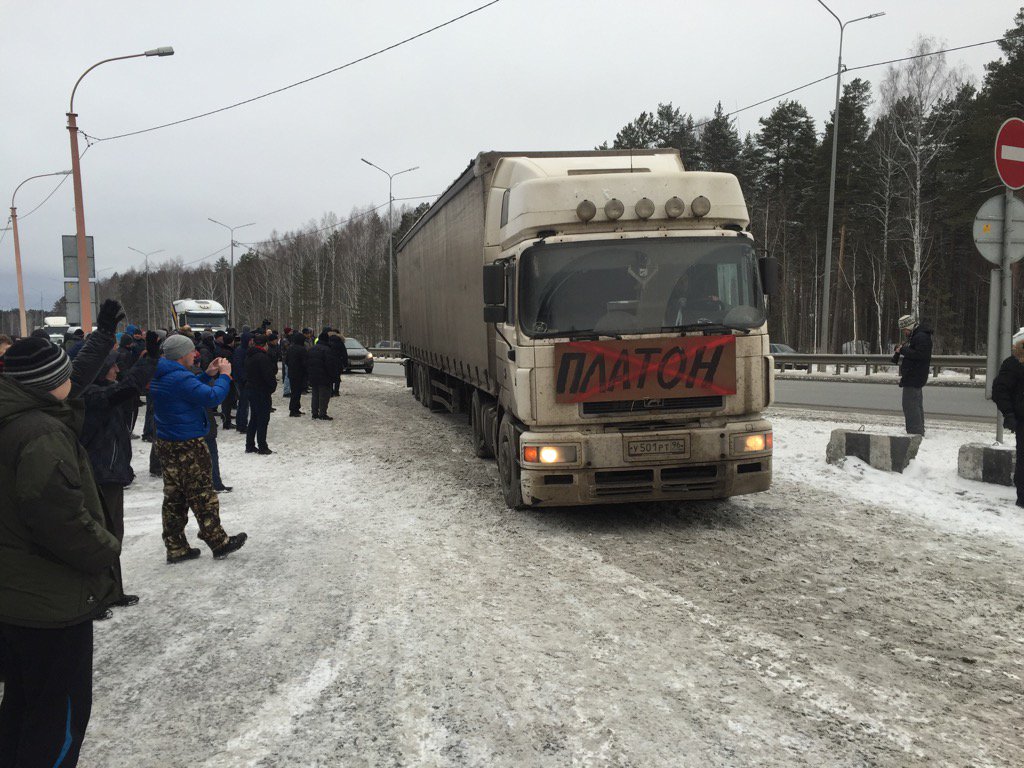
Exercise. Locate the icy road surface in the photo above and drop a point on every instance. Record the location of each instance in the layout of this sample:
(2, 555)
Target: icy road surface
(388, 611)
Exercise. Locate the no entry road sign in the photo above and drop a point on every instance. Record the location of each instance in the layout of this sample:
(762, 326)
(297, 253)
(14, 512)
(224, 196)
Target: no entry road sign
(1010, 153)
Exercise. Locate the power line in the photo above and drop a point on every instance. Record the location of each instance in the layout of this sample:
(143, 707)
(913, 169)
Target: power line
(854, 69)
(331, 226)
(308, 79)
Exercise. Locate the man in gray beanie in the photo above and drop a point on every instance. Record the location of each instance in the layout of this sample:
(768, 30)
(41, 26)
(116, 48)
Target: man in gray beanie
(180, 401)
(56, 567)
(914, 356)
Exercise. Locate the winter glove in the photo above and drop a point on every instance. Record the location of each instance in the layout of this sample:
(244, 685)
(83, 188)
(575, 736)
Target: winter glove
(152, 344)
(110, 315)
(1010, 422)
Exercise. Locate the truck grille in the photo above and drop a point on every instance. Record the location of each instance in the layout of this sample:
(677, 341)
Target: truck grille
(707, 403)
(624, 482)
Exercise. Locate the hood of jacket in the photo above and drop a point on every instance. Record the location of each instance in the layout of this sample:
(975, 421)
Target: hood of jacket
(16, 399)
(297, 338)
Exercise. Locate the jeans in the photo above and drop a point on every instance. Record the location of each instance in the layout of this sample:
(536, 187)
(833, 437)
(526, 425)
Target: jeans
(913, 410)
(287, 382)
(259, 419)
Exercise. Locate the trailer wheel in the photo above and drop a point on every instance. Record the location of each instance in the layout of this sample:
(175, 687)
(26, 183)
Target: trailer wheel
(508, 465)
(424, 375)
(414, 380)
(481, 448)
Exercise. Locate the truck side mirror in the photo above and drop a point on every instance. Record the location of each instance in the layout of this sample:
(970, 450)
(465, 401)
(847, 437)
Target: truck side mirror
(769, 269)
(494, 284)
(494, 313)
(494, 293)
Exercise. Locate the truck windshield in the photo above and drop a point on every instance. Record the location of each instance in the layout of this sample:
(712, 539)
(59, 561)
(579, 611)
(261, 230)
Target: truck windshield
(639, 286)
(203, 319)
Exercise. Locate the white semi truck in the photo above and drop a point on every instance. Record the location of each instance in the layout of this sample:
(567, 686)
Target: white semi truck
(601, 318)
(199, 315)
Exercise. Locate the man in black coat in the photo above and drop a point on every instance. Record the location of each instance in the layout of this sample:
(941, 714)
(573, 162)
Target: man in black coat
(914, 356)
(295, 359)
(1008, 395)
(260, 383)
(238, 366)
(340, 352)
(106, 438)
(225, 348)
(320, 369)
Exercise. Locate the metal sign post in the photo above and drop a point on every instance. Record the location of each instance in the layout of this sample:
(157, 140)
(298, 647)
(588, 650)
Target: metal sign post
(999, 237)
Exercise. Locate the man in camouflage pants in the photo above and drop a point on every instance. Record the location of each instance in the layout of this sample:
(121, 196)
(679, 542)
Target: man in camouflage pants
(180, 400)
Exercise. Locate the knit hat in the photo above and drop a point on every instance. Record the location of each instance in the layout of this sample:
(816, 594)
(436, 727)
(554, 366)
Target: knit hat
(177, 346)
(131, 330)
(260, 340)
(1018, 337)
(37, 363)
(906, 321)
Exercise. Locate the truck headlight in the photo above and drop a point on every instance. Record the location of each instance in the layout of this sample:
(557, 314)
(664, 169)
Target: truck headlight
(369, 355)
(550, 454)
(759, 442)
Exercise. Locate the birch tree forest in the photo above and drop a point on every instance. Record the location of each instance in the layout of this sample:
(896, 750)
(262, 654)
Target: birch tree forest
(915, 162)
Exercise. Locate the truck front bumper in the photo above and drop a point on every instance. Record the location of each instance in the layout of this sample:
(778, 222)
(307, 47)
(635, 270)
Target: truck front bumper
(685, 464)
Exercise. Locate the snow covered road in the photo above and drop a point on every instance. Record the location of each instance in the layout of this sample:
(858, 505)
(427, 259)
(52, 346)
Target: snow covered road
(388, 611)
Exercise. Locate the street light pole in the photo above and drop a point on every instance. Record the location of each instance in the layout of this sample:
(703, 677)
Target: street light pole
(76, 172)
(231, 290)
(149, 316)
(391, 246)
(22, 319)
(823, 343)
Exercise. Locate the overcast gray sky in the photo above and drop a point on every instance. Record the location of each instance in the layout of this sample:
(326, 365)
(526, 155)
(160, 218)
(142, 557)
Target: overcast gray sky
(522, 74)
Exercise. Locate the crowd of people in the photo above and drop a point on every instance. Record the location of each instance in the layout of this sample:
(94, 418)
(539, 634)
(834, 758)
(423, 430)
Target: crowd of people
(66, 428)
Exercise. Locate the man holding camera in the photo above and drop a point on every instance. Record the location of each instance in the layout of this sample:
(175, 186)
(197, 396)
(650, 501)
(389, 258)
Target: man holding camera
(914, 356)
(180, 401)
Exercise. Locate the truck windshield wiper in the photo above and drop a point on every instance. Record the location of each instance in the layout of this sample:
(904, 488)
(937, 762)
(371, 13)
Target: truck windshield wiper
(594, 336)
(706, 326)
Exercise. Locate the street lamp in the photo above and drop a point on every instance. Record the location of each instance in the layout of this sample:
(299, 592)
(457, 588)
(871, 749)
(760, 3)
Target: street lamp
(76, 172)
(17, 249)
(231, 301)
(149, 317)
(823, 340)
(391, 246)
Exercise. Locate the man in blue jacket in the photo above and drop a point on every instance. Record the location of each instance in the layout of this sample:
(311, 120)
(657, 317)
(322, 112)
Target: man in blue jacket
(180, 400)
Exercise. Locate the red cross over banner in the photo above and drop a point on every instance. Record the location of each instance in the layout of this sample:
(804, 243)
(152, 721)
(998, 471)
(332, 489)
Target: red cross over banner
(686, 366)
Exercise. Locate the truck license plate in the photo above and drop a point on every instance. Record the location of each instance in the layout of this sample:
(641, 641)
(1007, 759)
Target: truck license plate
(676, 446)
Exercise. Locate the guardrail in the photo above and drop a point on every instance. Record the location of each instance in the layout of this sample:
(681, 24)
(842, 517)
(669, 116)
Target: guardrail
(971, 363)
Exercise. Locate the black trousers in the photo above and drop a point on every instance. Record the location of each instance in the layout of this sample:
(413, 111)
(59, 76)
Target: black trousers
(228, 405)
(295, 402)
(259, 418)
(47, 696)
(321, 397)
(113, 503)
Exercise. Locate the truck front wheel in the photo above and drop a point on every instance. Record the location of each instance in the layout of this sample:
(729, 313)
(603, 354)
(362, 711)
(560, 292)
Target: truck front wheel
(508, 465)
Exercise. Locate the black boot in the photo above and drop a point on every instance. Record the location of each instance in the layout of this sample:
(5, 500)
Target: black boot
(233, 544)
(191, 554)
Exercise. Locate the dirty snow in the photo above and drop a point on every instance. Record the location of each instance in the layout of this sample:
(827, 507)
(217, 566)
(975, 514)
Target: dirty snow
(388, 611)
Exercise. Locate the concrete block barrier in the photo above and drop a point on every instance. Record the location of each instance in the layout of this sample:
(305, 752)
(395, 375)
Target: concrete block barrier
(986, 463)
(890, 453)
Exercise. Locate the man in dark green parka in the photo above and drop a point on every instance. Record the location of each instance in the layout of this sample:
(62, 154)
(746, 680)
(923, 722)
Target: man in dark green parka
(56, 556)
